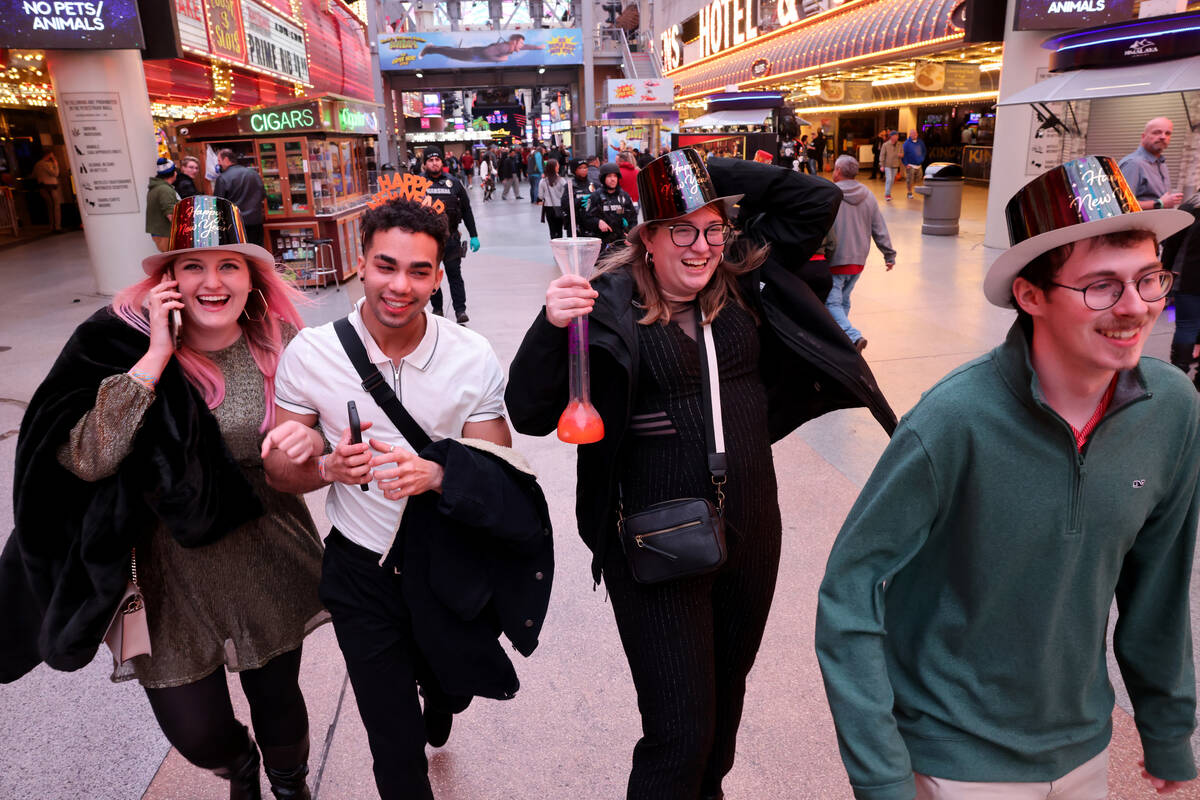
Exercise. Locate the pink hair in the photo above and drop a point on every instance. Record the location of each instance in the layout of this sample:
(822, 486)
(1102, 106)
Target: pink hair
(262, 336)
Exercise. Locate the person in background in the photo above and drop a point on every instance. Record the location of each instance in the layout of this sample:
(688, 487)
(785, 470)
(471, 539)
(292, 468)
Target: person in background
(487, 175)
(962, 622)
(890, 155)
(628, 165)
(185, 183)
(1146, 168)
(146, 443)
(244, 187)
(507, 172)
(1181, 254)
(858, 222)
(160, 203)
(819, 143)
(876, 151)
(913, 158)
(581, 189)
(593, 173)
(611, 208)
(534, 163)
(457, 209)
(550, 197)
(46, 174)
(467, 162)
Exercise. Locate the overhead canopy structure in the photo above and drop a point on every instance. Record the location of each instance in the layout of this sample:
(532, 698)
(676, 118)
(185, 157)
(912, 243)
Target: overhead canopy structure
(1182, 75)
(732, 118)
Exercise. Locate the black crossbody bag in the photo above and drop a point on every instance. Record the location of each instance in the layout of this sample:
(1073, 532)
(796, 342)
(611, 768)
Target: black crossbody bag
(684, 537)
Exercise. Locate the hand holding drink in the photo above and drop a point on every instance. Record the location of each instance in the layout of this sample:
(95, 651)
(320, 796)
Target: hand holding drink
(568, 302)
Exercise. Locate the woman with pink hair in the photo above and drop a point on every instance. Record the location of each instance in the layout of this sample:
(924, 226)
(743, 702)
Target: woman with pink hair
(139, 460)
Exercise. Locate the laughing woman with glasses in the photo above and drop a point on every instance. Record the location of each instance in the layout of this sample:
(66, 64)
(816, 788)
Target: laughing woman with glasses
(781, 360)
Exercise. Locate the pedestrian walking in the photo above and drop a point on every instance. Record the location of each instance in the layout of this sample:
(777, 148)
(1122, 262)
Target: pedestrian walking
(465, 519)
(507, 172)
(680, 281)
(611, 208)
(1146, 168)
(535, 164)
(858, 222)
(817, 151)
(962, 620)
(457, 209)
(185, 182)
(244, 187)
(876, 150)
(145, 441)
(551, 193)
(46, 175)
(629, 170)
(890, 155)
(593, 173)
(914, 155)
(160, 203)
(487, 175)
(467, 162)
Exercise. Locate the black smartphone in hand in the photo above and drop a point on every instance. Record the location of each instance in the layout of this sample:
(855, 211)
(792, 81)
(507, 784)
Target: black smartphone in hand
(175, 318)
(355, 432)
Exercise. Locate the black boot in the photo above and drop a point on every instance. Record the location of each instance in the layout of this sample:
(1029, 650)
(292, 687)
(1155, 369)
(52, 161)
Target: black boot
(287, 770)
(242, 774)
(1181, 356)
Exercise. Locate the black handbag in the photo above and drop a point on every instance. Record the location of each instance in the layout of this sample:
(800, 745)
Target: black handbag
(683, 537)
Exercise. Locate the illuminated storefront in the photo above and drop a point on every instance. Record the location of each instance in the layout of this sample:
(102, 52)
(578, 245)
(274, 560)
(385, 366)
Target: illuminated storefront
(853, 70)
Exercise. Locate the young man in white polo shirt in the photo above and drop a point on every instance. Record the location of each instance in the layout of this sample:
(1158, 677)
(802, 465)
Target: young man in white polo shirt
(450, 381)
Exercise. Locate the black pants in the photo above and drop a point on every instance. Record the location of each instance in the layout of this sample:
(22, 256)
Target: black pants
(198, 719)
(452, 263)
(691, 644)
(374, 631)
(554, 220)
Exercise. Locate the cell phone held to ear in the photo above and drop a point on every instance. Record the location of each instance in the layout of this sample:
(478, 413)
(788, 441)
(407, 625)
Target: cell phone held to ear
(175, 319)
(355, 432)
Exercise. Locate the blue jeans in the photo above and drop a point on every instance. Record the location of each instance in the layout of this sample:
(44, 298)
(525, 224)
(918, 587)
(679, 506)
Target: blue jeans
(534, 179)
(1187, 320)
(838, 303)
(889, 177)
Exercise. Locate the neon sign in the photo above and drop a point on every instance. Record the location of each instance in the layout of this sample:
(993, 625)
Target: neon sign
(350, 119)
(275, 121)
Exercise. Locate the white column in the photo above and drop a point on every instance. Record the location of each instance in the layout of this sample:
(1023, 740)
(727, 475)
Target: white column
(385, 147)
(588, 89)
(105, 114)
(1023, 56)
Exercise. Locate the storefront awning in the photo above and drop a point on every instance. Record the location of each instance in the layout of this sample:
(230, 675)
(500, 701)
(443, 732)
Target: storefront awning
(1182, 75)
(734, 117)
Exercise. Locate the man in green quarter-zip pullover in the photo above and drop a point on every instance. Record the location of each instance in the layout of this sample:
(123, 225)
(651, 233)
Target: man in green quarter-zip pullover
(961, 622)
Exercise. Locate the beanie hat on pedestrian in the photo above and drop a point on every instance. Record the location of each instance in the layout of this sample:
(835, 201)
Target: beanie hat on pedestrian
(576, 163)
(609, 169)
(431, 152)
(165, 168)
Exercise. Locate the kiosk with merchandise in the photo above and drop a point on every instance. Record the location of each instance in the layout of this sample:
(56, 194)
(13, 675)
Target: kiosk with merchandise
(316, 157)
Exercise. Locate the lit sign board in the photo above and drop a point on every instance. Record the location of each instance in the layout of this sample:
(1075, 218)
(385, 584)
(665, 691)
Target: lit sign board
(497, 118)
(68, 24)
(285, 119)
(355, 120)
(534, 47)
(721, 25)
(274, 44)
(1051, 15)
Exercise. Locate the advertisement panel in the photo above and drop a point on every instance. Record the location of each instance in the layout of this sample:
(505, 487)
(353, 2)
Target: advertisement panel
(55, 24)
(1054, 15)
(193, 32)
(273, 43)
(633, 92)
(539, 47)
(226, 33)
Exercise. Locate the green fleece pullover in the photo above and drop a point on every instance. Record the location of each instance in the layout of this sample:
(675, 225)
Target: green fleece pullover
(962, 619)
(161, 198)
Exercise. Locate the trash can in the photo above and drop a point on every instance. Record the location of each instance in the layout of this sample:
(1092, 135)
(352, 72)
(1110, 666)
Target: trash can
(943, 198)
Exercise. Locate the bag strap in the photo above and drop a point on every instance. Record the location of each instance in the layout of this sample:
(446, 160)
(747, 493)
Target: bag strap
(377, 386)
(711, 402)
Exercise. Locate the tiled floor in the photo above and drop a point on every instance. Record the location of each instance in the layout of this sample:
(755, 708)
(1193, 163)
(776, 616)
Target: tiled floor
(569, 732)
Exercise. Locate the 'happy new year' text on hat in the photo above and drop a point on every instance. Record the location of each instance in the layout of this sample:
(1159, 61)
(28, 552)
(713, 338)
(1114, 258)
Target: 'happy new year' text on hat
(203, 221)
(674, 185)
(1083, 198)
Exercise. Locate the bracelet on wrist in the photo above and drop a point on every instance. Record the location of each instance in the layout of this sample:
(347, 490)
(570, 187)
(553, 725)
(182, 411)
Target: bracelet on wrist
(147, 380)
(321, 467)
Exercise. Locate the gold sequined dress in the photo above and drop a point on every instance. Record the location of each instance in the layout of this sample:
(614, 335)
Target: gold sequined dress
(240, 601)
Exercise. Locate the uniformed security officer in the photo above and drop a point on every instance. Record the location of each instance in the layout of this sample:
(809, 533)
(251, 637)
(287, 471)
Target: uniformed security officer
(458, 208)
(581, 190)
(610, 207)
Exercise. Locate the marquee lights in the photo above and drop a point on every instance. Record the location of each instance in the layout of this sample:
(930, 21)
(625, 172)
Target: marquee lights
(936, 99)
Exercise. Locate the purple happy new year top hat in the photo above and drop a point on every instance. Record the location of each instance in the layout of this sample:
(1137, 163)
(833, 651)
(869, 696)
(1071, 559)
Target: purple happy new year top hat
(1078, 200)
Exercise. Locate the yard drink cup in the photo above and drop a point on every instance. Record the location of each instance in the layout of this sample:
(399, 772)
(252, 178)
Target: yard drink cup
(580, 423)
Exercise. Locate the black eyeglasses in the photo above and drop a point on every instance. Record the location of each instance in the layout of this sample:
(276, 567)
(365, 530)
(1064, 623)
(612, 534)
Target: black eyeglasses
(1106, 292)
(685, 235)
